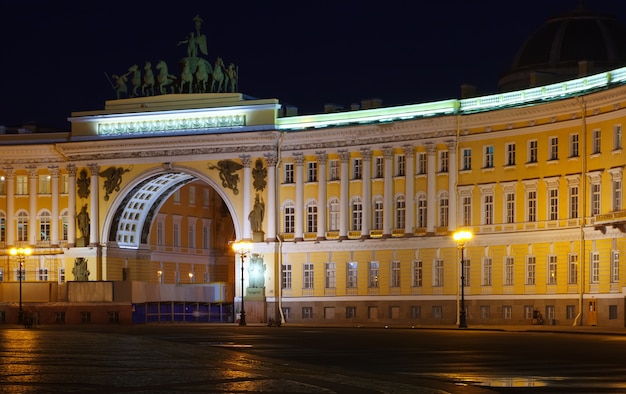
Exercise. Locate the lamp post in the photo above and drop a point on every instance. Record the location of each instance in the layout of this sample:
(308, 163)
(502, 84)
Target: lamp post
(461, 238)
(20, 254)
(243, 248)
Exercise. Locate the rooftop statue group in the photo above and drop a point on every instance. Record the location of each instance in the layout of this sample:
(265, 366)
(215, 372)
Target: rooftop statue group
(197, 75)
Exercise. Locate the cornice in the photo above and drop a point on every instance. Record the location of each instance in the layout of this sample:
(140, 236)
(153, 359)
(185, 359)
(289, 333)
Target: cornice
(29, 154)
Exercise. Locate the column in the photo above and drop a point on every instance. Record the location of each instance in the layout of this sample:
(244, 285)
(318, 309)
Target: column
(247, 175)
(322, 159)
(366, 154)
(71, 205)
(388, 207)
(453, 210)
(299, 211)
(409, 189)
(344, 155)
(54, 189)
(431, 212)
(271, 196)
(94, 204)
(10, 223)
(32, 205)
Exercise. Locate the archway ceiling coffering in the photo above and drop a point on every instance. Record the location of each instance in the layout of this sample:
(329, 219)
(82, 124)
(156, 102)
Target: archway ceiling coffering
(132, 220)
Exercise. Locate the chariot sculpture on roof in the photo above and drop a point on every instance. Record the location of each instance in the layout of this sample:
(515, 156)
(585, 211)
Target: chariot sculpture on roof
(197, 75)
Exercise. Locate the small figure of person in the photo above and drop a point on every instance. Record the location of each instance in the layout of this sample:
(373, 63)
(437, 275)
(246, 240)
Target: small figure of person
(83, 222)
(256, 215)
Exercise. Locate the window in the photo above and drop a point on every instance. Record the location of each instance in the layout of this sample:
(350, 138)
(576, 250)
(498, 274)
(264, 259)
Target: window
(160, 233)
(65, 184)
(532, 151)
(44, 184)
(311, 171)
(205, 236)
(378, 214)
(42, 274)
(554, 203)
(488, 159)
(570, 312)
(595, 267)
(510, 154)
(311, 217)
(467, 159)
(85, 317)
(331, 276)
(287, 313)
(379, 167)
(352, 275)
(595, 142)
(357, 214)
(510, 207)
(465, 266)
(308, 276)
(507, 312)
(508, 270)
(307, 312)
(44, 226)
(176, 235)
(286, 276)
(21, 182)
(395, 274)
(417, 273)
(206, 197)
(289, 173)
(333, 214)
(617, 137)
(61, 275)
(573, 202)
(64, 227)
(488, 207)
(437, 312)
(333, 170)
(421, 211)
(191, 233)
(438, 273)
(443, 210)
(532, 206)
(20, 273)
(573, 145)
(3, 184)
(485, 312)
(400, 212)
(114, 317)
(357, 169)
(192, 195)
(421, 163)
(612, 312)
(416, 312)
(595, 198)
(617, 194)
(528, 311)
(176, 197)
(572, 269)
(487, 270)
(553, 154)
(59, 317)
(552, 269)
(350, 312)
(550, 312)
(530, 270)
(290, 217)
(443, 161)
(22, 226)
(467, 211)
(615, 266)
(3, 220)
(373, 273)
(1, 275)
(400, 165)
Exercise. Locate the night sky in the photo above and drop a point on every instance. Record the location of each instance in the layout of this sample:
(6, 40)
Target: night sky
(305, 53)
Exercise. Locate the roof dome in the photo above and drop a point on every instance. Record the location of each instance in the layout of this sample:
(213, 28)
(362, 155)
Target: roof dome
(568, 46)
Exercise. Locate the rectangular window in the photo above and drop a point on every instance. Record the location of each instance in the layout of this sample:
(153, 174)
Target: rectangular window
(333, 170)
(176, 235)
(417, 273)
(532, 151)
(290, 218)
(595, 267)
(395, 274)
(311, 218)
(570, 312)
(510, 154)
(378, 214)
(61, 275)
(3, 188)
(1, 275)
(206, 197)
(595, 142)
(617, 137)
(331, 276)
(350, 312)
(379, 167)
(400, 165)
(176, 197)
(307, 312)
(333, 214)
(44, 184)
(510, 207)
(437, 312)
(373, 273)
(42, 274)
(286, 276)
(416, 312)
(21, 183)
(554, 204)
(191, 236)
(421, 212)
(443, 212)
(192, 195)
(467, 159)
(617, 195)
(467, 211)
(573, 202)
(311, 171)
(532, 206)
(437, 273)
(615, 266)
(485, 312)
(488, 159)
(65, 184)
(160, 233)
(572, 269)
(612, 312)
(487, 270)
(352, 275)
(550, 312)
(508, 270)
(552, 269)
(595, 199)
(488, 207)
(308, 276)
(357, 169)
(531, 270)
(289, 173)
(59, 317)
(400, 212)
(573, 145)
(205, 236)
(85, 317)
(553, 154)
(357, 215)
(443, 161)
(529, 312)
(507, 312)
(421, 163)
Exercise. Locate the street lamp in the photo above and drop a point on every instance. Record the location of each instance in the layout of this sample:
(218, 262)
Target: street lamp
(243, 248)
(461, 238)
(20, 254)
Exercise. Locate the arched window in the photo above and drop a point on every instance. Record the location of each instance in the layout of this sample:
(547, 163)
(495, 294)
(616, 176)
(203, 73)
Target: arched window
(44, 226)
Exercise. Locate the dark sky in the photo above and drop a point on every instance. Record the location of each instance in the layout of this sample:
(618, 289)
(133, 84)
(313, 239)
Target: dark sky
(306, 53)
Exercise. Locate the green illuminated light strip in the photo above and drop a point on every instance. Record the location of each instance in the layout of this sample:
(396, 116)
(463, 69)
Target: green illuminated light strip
(168, 125)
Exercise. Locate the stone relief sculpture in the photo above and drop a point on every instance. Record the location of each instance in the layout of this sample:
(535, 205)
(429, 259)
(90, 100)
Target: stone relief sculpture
(83, 183)
(227, 169)
(256, 271)
(196, 73)
(80, 271)
(259, 173)
(113, 180)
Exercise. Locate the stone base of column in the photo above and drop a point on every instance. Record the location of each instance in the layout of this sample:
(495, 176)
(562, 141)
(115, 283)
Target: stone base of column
(299, 239)
(320, 239)
(386, 236)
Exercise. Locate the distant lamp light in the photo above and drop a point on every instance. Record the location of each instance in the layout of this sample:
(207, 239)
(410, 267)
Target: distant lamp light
(461, 238)
(21, 254)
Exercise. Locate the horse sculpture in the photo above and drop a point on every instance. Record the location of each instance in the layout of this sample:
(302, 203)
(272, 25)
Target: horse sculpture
(218, 76)
(135, 79)
(148, 80)
(203, 69)
(186, 77)
(164, 78)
